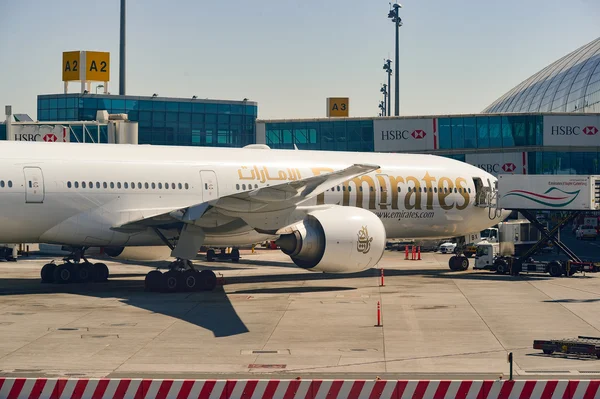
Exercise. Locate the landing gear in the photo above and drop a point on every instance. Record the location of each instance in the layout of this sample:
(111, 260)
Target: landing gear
(76, 268)
(234, 255)
(182, 277)
(458, 263)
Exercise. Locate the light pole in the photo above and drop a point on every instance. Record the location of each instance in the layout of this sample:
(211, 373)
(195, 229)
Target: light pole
(385, 92)
(382, 108)
(387, 67)
(394, 15)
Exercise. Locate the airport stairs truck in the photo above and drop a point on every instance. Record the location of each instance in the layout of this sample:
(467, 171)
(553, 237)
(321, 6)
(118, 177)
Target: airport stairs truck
(529, 193)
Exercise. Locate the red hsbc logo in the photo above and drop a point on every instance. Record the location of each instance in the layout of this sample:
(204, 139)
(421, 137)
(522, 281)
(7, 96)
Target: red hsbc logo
(590, 130)
(509, 167)
(50, 138)
(418, 134)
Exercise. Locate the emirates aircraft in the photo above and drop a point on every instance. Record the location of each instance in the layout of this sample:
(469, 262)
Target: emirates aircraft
(329, 211)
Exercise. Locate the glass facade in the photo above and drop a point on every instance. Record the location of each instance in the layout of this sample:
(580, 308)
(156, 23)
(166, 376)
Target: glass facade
(336, 135)
(459, 132)
(2, 131)
(571, 84)
(163, 121)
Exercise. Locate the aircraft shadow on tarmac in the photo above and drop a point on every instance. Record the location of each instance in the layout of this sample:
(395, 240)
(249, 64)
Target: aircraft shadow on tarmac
(214, 310)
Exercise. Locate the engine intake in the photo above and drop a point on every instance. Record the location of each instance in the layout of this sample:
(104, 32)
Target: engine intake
(336, 240)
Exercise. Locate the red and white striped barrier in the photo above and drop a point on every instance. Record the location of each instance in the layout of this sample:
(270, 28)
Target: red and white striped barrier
(41, 388)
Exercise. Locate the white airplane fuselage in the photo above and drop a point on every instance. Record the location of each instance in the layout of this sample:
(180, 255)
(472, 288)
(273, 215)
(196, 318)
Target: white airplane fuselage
(75, 194)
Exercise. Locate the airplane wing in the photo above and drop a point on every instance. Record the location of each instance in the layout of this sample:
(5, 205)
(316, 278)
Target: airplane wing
(264, 199)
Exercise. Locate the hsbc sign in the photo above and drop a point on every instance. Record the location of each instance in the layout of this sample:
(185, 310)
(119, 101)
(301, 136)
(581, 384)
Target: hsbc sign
(45, 133)
(403, 135)
(500, 163)
(572, 130)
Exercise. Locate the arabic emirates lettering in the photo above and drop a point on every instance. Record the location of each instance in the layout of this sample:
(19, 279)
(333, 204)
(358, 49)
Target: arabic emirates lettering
(363, 244)
(263, 174)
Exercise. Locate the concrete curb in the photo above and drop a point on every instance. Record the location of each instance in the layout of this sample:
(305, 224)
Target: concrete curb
(42, 388)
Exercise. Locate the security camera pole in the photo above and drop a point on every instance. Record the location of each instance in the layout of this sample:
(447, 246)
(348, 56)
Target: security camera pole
(394, 15)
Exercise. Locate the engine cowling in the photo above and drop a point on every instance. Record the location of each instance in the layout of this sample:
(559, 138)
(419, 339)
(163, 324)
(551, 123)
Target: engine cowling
(336, 240)
(139, 253)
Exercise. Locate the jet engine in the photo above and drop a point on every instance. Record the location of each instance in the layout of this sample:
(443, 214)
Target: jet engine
(139, 253)
(336, 240)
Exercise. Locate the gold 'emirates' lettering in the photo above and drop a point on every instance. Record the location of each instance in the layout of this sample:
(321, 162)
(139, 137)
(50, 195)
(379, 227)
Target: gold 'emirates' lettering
(390, 188)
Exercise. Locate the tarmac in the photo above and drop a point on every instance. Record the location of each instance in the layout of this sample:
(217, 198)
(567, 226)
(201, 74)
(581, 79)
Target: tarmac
(271, 319)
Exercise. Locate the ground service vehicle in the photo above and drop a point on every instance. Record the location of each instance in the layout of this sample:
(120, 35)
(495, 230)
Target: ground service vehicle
(488, 257)
(586, 232)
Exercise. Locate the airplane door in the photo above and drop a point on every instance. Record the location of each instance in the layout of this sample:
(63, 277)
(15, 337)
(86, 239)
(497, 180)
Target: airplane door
(210, 189)
(34, 185)
(383, 194)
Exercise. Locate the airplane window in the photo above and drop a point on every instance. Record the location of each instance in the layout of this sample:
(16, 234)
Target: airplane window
(338, 188)
(118, 184)
(112, 185)
(91, 185)
(173, 186)
(469, 191)
(343, 188)
(125, 185)
(146, 186)
(399, 188)
(179, 186)
(243, 186)
(187, 186)
(153, 186)
(76, 184)
(104, 185)
(445, 189)
(160, 186)
(381, 188)
(430, 189)
(166, 186)
(2, 183)
(68, 184)
(206, 186)
(454, 190)
(97, 184)
(435, 189)
(132, 185)
(349, 188)
(82, 184)
(9, 183)
(237, 187)
(360, 188)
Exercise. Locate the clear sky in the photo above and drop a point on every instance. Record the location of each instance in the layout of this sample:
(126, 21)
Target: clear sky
(289, 55)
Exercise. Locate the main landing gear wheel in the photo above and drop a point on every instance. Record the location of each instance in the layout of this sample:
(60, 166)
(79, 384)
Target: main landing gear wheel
(153, 281)
(100, 272)
(208, 280)
(190, 280)
(63, 274)
(84, 272)
(170, 281)
(47, 273)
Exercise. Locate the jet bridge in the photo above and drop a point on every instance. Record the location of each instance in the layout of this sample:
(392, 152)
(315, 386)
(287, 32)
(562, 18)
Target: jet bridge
(572, 194)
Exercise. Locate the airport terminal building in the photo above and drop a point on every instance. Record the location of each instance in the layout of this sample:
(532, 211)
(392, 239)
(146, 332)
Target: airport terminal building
(548, 124)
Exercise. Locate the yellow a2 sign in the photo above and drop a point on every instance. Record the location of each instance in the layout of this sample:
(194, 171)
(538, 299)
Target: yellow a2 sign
(86, 66)
(71, 65)
(338, 106)
(97, 66)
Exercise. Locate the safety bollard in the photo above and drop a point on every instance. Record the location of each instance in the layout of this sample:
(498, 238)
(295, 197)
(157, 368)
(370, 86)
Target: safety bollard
(378, 315)
(381, 283)
(414, 252)
(419, 253)
(406, 248)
